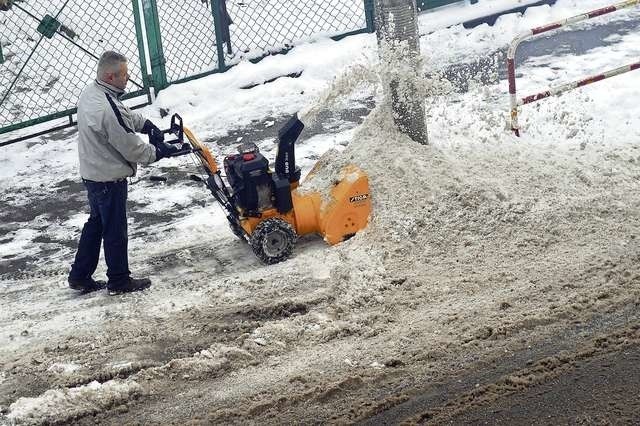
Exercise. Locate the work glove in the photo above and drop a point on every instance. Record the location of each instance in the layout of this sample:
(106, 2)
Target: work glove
(150, 129)
(163, 149)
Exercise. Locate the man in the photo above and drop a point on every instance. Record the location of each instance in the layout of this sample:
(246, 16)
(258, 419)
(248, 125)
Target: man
(109, 151)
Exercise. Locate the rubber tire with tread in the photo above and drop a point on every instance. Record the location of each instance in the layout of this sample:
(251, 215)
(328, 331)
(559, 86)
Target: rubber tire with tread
(262, 240)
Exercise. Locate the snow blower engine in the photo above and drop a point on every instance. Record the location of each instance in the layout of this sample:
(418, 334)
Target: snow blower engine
(265, 207)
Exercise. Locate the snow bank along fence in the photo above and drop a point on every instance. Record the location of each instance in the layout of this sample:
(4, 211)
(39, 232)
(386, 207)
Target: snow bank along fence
(49, 49)
(511, 65)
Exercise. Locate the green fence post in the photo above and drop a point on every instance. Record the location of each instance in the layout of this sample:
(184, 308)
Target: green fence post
(369, 13)
(217, 23)
(146, 79)
(154, 40)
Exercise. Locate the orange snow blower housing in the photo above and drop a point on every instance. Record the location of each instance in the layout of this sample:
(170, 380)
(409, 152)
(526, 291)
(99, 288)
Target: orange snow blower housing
(268, 208)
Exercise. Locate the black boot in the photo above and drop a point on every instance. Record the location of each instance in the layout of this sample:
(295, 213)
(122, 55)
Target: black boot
(86, 285)
(131, 285)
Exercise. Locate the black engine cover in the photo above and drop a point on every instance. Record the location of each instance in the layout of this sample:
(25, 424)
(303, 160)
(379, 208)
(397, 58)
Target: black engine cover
(250, 179)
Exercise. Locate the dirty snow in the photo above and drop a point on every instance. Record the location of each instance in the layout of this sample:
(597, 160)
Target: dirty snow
(67, 404)
(477, 242)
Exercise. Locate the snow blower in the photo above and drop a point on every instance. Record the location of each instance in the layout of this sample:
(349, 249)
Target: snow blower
(265, 207)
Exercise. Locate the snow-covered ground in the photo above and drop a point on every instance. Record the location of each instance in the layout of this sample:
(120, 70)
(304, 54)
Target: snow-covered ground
(479, 242)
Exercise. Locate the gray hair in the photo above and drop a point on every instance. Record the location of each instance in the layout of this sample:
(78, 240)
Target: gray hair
(109, 62)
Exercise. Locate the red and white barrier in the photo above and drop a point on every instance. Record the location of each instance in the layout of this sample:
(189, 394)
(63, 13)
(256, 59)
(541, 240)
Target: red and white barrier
(511, 64)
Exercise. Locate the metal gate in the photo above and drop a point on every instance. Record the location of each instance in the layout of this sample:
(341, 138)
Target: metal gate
(50, 53)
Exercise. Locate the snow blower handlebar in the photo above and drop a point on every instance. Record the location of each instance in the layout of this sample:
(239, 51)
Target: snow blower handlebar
(177, 129)
(285, 165)
(189, 144)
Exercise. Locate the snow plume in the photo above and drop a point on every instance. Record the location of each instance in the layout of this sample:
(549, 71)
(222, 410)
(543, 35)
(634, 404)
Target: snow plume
(356, 76)
(371, 74)
(428, 85)
(64, 405)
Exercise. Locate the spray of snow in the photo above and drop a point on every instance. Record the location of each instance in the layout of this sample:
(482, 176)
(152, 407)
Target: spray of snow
(355, 76)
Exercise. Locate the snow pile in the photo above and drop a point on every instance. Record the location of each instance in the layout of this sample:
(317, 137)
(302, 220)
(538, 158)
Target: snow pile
(63, 405)
(478, 196)
(394, 67)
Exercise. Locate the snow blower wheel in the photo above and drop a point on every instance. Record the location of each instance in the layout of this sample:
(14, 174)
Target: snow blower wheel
(273, 240)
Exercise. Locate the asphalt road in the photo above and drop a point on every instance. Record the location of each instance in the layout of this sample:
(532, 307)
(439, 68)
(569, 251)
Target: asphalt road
(587, 374)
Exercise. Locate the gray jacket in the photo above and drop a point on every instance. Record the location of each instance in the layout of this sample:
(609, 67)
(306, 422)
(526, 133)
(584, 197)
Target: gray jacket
(108, 146)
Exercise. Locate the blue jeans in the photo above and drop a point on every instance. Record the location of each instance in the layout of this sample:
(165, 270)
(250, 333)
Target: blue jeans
(107, 224)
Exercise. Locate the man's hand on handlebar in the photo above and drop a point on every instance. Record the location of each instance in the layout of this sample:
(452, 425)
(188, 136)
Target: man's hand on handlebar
(154, 133)
(167, 149)
(164, 150)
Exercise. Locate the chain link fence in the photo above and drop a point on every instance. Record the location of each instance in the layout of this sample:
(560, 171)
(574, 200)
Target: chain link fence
(50, 51)
(262, 26)
(50, 48)
(192, 49)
